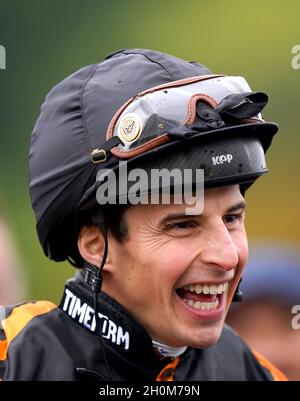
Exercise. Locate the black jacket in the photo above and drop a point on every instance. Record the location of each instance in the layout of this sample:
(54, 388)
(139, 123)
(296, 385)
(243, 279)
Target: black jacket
(42, 341)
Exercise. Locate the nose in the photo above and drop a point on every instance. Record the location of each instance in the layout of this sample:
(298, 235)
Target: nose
(220, 249)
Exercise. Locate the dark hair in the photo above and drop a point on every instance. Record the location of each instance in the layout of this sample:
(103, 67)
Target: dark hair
(116, 222)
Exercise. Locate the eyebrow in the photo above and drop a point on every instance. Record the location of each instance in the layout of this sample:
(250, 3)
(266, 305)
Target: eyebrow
(174, 216)
(238, 206)
(181, 215)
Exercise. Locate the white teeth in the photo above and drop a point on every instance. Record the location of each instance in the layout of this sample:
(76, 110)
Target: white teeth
(213, 289)
(198, 288)
(202, 305)
(220, 289)
(206, 289)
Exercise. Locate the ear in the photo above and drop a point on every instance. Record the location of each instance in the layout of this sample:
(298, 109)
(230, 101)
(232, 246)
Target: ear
(91, 244)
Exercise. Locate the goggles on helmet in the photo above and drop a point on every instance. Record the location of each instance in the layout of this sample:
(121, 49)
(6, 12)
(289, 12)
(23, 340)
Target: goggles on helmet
(180, 108)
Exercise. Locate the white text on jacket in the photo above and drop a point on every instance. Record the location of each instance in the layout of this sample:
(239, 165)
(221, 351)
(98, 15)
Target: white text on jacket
(84, 314)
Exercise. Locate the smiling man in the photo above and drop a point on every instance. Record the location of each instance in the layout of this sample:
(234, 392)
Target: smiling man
(157, 272)
(179, 272)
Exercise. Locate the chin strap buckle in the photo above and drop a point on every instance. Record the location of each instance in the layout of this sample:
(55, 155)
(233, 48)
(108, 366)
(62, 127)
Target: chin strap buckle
(238, 295)
(92, 279)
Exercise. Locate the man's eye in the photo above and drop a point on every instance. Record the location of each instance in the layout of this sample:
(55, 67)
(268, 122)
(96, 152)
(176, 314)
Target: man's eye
(181, 225)
(233, 218)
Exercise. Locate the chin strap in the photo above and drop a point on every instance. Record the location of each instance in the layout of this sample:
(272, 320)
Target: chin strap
(93, 277)
(238, 295)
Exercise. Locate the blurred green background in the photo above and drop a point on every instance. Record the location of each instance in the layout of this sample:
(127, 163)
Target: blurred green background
(47, 40)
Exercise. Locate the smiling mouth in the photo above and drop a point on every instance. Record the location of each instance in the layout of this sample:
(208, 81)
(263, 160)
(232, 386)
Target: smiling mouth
(204, 297)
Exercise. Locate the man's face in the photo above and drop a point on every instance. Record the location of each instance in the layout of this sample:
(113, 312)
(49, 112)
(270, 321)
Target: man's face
(169, 262)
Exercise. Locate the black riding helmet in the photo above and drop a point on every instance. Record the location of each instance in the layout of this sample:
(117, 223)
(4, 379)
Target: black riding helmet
(151, 109)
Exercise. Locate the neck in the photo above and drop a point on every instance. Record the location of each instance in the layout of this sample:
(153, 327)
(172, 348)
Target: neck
(167, 351)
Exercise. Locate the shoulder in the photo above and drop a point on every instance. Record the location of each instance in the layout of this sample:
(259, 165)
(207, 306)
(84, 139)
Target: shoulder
(255, 366)
(14, 322)
(38, 341)
(230, 359)
(15, 318)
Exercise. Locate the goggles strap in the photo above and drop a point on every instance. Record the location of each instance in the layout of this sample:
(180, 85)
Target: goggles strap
(100, 155)
(242, 106)
(233, 109)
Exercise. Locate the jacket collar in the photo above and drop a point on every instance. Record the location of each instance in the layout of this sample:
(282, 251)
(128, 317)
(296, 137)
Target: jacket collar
(127, 344)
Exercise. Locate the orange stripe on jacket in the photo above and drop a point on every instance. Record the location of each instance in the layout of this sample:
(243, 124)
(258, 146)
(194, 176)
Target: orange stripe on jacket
(275, 372)
(167, 373)
(18, 319)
